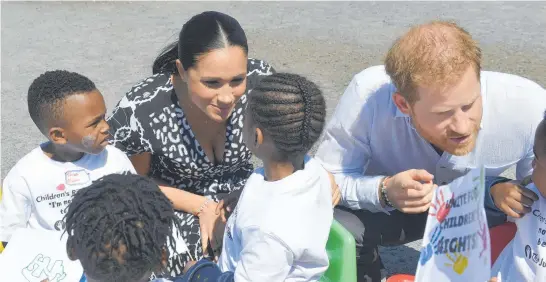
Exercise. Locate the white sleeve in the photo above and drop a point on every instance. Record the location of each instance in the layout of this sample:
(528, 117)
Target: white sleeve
(345, 150)
(15, 205)
(264, 257)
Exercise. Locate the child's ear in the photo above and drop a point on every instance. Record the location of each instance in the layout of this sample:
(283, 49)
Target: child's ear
(57, 135)
(164, 258)
(71, 253)
(259, 137)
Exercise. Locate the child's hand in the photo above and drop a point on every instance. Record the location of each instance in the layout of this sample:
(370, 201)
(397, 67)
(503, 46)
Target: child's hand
(513, 199)
(336, 194)
(189, 264)
(227, 205)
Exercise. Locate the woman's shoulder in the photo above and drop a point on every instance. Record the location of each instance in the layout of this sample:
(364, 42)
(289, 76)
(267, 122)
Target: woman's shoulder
(149, 88)
(257, 69)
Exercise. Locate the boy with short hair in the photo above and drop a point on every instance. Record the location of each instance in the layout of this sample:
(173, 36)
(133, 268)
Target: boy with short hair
(70, 111)
(524, 258)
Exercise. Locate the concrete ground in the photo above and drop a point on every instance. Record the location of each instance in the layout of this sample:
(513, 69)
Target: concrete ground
(114, 44)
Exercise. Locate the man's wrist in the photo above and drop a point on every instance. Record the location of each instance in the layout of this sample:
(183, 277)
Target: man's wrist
(383, 197)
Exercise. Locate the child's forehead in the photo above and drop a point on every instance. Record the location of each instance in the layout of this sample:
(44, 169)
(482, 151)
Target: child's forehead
(83, 105)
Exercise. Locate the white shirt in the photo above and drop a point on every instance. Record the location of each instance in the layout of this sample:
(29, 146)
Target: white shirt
(37, 190)
(524, 258)
(368, 136)
(278, 231)
(36, 255)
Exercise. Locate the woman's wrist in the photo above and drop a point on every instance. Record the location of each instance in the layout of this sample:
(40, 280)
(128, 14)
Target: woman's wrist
(203, 207)
(183, 200)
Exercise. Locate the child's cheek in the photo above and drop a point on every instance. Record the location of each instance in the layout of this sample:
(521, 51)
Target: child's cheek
(88, 141)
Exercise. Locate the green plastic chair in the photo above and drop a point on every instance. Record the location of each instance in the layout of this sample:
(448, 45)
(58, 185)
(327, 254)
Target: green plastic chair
(342, 254)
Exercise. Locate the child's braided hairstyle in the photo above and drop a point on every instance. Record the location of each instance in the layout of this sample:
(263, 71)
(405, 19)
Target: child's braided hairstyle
(291, 110)
(120, 226)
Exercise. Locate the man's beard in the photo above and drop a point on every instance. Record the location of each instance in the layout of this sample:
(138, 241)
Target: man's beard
(443, 143)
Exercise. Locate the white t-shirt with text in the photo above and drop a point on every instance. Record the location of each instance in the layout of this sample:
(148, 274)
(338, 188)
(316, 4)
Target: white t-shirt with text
(37, 190)
(278, 231)
(524, 258)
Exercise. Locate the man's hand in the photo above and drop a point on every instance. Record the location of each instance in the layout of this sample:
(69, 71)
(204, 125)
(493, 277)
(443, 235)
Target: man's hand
(411, 191)
(336, 194)
(513, 199)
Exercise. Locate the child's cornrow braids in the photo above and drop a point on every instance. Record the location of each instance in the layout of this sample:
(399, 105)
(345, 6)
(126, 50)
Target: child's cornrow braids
(291, 109)
(119, 226)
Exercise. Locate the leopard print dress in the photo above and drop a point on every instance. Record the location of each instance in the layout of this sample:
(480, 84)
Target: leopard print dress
(149, 119)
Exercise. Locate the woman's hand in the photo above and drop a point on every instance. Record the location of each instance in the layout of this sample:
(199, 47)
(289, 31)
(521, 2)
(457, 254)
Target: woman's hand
(336, 194)
(212, 229)
(227, 205)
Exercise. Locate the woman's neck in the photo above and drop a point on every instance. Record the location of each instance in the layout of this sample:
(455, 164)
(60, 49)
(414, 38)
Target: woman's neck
(275, 171)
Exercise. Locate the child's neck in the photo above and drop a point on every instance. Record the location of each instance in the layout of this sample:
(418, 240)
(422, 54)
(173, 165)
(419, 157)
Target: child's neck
(61, 154)
(275, 171)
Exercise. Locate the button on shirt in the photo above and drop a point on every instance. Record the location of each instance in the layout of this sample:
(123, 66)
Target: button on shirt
(369, 138)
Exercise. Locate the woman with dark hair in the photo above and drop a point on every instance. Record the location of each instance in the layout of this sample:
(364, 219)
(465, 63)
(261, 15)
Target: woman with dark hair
(183, 127)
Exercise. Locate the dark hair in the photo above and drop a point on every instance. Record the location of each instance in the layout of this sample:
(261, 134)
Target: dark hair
(49, 90)
(202, 33)
(291, 109)
(120, 210)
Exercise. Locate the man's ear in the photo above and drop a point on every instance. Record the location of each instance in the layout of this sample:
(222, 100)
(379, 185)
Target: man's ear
(57, 135)
(401, 103)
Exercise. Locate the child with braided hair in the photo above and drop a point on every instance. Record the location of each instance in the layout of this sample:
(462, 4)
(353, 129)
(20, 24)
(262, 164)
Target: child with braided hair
(279, 228)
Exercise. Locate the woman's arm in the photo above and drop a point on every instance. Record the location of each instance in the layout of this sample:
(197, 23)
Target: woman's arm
(182, 200)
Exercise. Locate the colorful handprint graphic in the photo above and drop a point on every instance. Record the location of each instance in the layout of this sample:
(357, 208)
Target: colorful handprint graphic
(459, 263)
(428, 251)
(441, 207)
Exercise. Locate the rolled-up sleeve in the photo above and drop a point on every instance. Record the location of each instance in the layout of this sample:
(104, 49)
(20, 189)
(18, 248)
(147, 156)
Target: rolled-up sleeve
(346, 152)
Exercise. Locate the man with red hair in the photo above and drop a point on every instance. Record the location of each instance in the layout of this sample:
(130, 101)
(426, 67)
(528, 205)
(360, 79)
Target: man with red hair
(402, 128)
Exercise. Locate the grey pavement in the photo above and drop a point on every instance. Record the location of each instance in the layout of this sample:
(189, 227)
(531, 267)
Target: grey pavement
(114, 44)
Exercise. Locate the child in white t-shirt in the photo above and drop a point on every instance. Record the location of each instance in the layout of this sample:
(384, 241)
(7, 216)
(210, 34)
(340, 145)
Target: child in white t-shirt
(69, 110)
(524, 258)
(279, 228)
